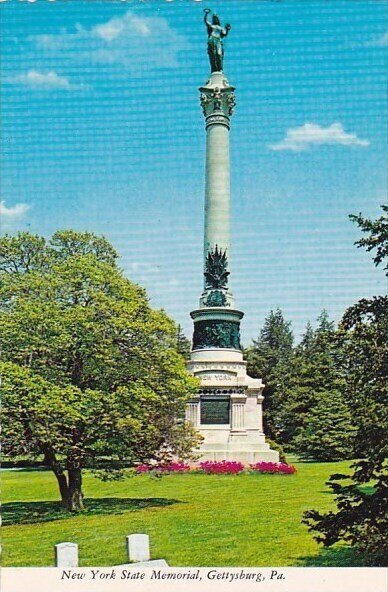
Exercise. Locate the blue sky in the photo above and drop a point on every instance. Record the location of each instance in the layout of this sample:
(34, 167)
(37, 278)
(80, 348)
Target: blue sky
(102, 131)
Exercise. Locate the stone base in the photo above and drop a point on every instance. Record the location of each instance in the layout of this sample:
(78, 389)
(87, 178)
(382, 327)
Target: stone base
(245, 456)
(236, 433)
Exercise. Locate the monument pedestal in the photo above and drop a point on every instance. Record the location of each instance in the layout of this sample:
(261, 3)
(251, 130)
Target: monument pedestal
(227, 410)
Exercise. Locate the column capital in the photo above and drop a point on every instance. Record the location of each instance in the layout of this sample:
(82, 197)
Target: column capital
(217, 100)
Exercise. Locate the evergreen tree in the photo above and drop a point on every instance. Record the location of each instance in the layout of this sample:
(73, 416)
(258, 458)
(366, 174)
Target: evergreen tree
(361, 498)
(378, 235)
(308, 339)
(183, 344)
(325, 326)
(312, 372)
(268, 359)
(327, 433)
(274, 345)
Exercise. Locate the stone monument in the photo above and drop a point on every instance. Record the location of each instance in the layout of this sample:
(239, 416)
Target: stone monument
(227, 410)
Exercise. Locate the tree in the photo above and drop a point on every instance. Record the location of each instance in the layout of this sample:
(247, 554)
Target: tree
(308, 339)
(266, 359)
(361, 514)
(327, 432)
(378, 235)
(325, 327)
(183, 344)
(93, 377)
(274, 345)
(361, 517)
(296, 379)
(303, 385)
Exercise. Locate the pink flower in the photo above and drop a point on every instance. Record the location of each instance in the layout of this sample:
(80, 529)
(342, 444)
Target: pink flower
(142, 469)
(173, 467)
(221, 467)
(272, 467)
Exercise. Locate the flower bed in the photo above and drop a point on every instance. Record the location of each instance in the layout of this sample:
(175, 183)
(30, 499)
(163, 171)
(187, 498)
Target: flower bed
(272, 467)
(173, 467)
(223, 467)
(228, 467)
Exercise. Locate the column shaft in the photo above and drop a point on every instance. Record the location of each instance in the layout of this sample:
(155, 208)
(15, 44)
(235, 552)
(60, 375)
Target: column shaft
(217, 190)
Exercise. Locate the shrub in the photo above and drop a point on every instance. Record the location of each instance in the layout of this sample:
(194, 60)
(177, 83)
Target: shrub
(221, 467)
(279, 448)
(143, 469)
(173, 467)
(271, 467)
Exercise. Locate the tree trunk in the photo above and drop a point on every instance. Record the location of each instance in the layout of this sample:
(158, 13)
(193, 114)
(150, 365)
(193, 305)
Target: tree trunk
(75, 496)
(55, 466)
(63, 488)
(70, 487)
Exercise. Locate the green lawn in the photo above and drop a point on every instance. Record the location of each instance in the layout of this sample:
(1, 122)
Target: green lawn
(192, 520)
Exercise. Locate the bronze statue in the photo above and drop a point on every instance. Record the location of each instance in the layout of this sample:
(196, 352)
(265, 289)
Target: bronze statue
(215, 46)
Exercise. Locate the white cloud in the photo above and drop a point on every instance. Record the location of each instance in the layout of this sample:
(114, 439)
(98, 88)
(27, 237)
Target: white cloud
(140, 25)
(128, 40)
(311, 134)
(110, 30)
(141, 267)
(46, 81)
(16, 211)
(378, 41)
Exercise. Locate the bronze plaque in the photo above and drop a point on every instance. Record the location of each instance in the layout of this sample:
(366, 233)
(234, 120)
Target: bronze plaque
(215, 411)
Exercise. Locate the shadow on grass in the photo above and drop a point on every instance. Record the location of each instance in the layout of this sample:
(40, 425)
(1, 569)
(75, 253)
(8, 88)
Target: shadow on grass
(334, 557)
(30, 512)
(367, 489)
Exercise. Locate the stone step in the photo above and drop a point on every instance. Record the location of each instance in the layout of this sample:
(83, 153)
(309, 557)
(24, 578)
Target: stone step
(230, 446)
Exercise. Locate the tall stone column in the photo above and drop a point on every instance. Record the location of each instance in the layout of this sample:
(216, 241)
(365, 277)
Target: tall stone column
(217, 99)
(216, 323)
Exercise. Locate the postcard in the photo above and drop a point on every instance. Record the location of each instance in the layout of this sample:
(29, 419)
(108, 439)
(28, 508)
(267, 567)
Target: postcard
(193, 301)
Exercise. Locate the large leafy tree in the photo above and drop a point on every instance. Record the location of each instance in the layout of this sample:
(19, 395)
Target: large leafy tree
(91, 375)
(361, 498)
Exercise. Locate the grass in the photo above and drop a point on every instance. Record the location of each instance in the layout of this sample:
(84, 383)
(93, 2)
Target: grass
(192, 520)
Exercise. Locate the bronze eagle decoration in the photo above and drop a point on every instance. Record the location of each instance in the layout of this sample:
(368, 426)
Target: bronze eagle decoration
(216, 274)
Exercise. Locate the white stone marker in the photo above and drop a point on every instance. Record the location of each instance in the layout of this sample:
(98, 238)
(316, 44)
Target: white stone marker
(66, 555)
(138, 547)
